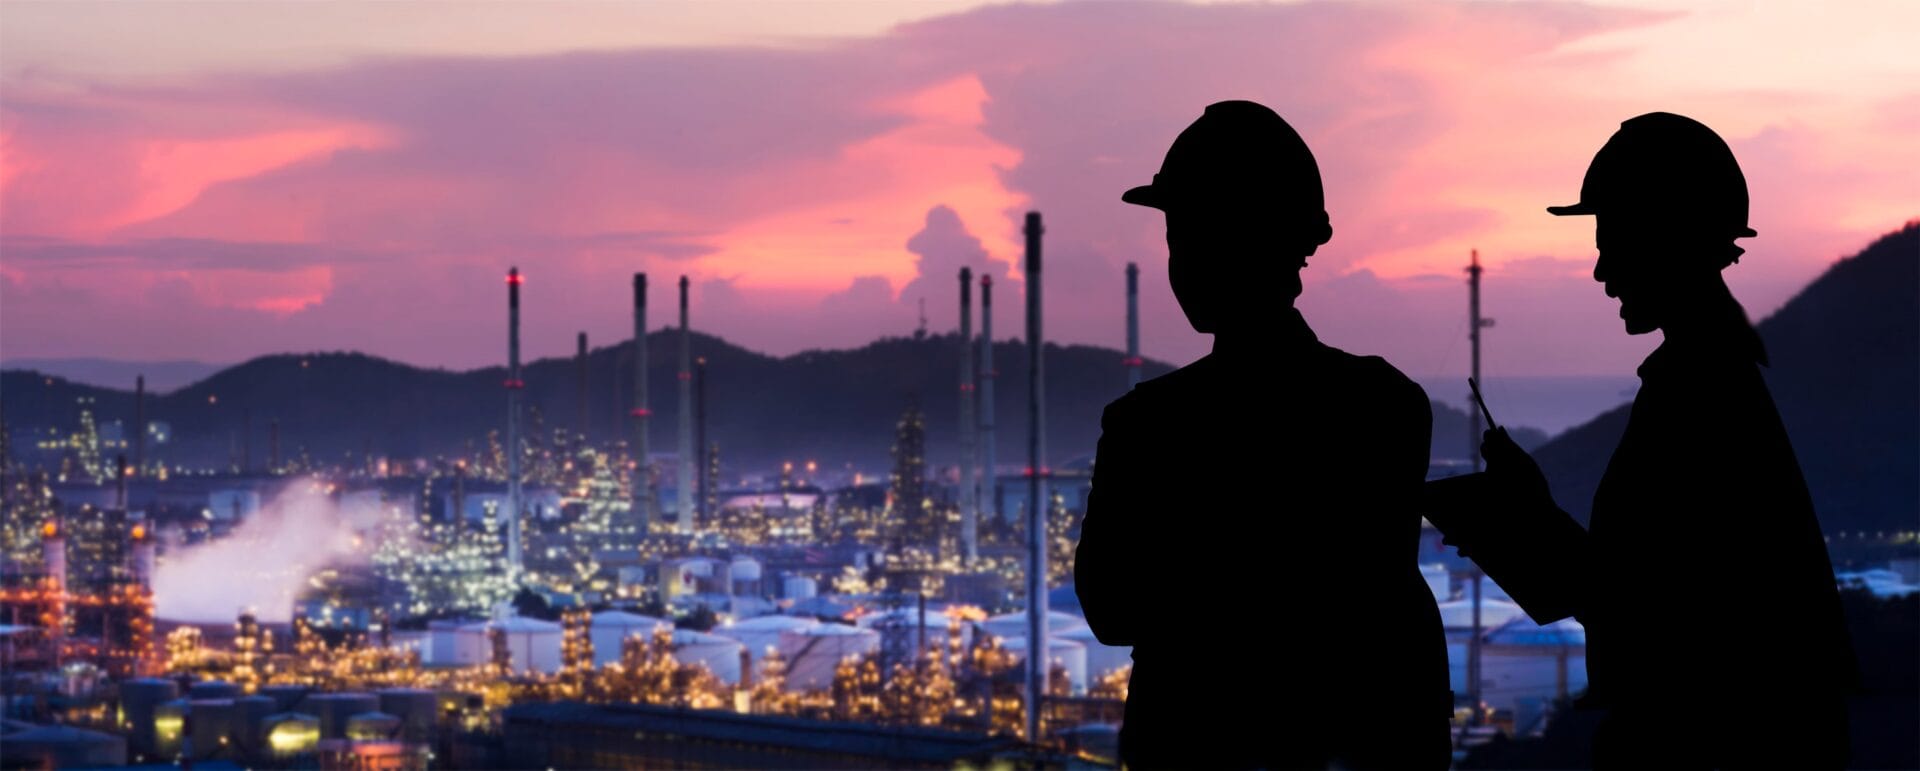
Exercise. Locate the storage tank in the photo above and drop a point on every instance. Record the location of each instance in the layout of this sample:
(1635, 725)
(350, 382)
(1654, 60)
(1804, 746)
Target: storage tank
(58, 746)
(213, 722)
(1458, 614)
(1102, 659)
(334, 709)
(762, 632)
(799, 587)
(416, 708)
(1065, 652)
(720, 655)
(169, 723)
(285, 697)
(213, 689)
(249, 722)
(291, 733)
(138, 701)
(1010, 625)
(746, 574)
(372, 726)
(610, 629)
(532, 645)
(814, 652)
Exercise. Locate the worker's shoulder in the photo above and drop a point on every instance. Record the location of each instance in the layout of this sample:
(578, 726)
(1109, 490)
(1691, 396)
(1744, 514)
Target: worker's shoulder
(1372, 373)
(1153, 394)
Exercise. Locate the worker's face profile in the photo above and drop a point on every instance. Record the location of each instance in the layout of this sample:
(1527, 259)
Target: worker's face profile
(1229, 264)
(1634, 265)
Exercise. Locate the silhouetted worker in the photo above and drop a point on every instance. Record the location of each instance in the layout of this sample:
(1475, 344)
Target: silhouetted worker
(1268, 488)
(1714, 631)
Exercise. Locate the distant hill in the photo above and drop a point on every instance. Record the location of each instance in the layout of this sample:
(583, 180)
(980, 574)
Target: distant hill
(113, 373)
(836, 407)
(1845, 374)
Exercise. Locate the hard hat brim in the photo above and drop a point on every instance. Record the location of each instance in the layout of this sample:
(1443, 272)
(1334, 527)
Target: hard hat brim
(1577, 209)
(1146, 195)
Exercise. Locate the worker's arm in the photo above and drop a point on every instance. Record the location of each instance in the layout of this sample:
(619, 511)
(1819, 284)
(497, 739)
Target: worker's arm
(1110, 562)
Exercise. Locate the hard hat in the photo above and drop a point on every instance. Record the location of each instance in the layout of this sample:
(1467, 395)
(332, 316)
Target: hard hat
(1240, 153)
(1670, 166)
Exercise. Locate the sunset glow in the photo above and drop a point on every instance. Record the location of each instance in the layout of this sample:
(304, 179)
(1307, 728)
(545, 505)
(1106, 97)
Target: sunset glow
(295, 186)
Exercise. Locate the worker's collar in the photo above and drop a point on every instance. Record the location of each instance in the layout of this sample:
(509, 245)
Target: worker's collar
(1288, 332)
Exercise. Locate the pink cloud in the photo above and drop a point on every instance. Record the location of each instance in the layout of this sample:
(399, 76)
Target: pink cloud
(374, 205)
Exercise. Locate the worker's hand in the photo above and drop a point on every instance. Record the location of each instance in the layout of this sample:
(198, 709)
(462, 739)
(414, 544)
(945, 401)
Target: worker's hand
(1513, 471)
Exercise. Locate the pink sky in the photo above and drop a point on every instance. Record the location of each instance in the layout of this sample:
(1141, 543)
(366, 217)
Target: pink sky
(218, 181)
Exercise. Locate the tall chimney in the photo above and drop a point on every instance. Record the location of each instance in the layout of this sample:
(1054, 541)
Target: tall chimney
(53, 556)
(514, 386)
(989, 483)
(1037, 648)
(120, 482)
(685, 524)
(580, 363)
(642, 506)
(273, 445)
(1133, 325)
(969, 504)
(701, 479)
(139, 424)
(141, 537)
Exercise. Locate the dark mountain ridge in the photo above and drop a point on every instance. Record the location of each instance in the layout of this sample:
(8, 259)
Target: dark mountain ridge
(1845, 375)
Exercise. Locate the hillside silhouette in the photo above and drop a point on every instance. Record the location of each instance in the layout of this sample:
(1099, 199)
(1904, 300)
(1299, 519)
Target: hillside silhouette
(833, 406)
(1845, 371)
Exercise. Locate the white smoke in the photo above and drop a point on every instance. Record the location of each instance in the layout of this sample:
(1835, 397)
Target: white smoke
(263, 564)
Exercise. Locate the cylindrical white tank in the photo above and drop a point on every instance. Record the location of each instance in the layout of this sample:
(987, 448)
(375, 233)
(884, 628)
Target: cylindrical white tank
(720, 655)
(1067, 653)
(814, 652)
(763, 632)
(1010, 625)
(532, 645)
(1458, 614)
(610, 629)
(1102, 659)
(800, 587)
(334, 709)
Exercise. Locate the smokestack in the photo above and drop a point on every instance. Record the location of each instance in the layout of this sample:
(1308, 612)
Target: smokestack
(989, 483)
(969, 503)
(642, 506)
(273, 446)
(702, 480)
(143, 553)
(514, 386)
(686, 416)
(1133, 325)
(139, 424)
(580, 359)
(1037, 499)
(53, 555)
(120, 482)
